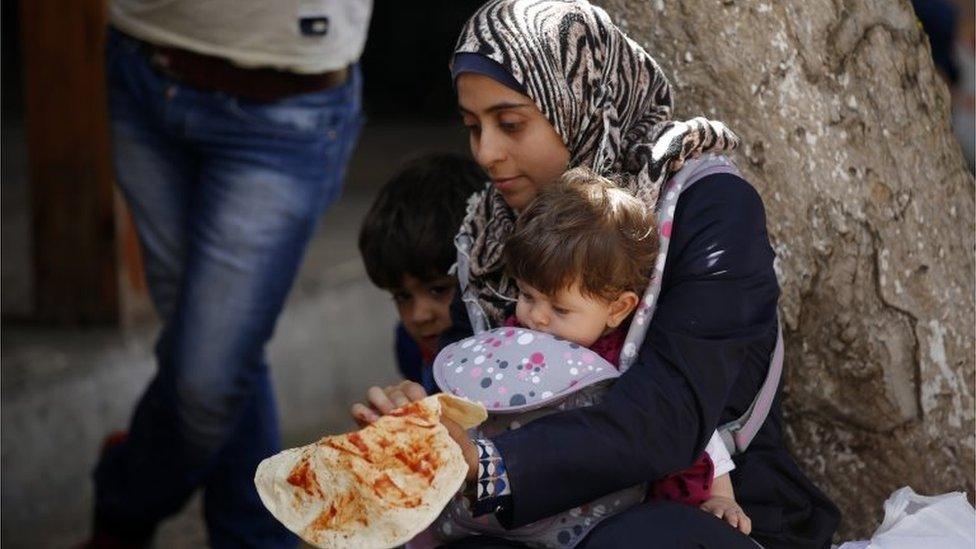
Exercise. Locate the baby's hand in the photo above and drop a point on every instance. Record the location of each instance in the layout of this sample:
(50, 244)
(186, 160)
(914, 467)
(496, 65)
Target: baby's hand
(729, 511)
(381, 401)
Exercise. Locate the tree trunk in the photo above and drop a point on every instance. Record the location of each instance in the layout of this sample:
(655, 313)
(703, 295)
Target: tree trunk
(845, 131)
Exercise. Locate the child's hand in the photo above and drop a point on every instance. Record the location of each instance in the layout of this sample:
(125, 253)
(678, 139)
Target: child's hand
(381, 401)
(729, 511)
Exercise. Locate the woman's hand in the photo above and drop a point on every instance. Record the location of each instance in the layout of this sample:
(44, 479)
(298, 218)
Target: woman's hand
(468, 448)
(381, 401)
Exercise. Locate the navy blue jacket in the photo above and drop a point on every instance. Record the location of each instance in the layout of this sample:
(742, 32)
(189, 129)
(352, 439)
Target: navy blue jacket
(704, 358)
(410, 361)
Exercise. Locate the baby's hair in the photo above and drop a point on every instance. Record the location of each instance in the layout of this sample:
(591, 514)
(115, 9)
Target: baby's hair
(410, 228)
(584, 228)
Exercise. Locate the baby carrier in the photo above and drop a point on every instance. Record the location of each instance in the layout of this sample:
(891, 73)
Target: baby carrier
(520, 375)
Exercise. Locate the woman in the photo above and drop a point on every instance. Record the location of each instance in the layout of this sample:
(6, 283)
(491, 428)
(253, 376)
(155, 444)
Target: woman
(548, 85)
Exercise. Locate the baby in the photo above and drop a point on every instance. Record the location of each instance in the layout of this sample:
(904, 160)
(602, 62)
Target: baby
(581, 255)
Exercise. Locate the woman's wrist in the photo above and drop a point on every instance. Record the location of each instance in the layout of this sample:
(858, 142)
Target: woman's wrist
(470, 452)
(492, 492)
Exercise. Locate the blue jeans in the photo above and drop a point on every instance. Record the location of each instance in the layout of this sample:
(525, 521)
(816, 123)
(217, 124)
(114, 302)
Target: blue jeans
(225, 195)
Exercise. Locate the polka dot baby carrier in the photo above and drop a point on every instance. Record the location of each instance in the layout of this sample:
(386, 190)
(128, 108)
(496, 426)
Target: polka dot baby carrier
(520, 375)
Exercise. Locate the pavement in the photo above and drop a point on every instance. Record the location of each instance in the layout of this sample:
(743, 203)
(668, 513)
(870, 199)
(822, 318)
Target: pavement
(62, 390)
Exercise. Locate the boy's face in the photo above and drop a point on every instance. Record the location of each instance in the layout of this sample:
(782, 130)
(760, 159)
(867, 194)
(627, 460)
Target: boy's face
(571, 314)
(425, 307)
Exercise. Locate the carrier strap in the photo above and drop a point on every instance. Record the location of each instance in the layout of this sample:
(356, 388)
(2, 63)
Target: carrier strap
(693, 171)
(469, 296)
(737, 434)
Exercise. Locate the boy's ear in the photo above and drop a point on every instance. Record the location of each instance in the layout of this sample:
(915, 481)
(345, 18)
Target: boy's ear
(621, 307)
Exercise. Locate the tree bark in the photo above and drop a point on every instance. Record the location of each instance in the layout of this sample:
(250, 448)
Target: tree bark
(846, 134)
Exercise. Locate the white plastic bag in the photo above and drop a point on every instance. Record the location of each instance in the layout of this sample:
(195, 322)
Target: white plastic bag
(912, 521)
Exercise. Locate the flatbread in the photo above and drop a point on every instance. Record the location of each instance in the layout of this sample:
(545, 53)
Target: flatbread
(376, 487)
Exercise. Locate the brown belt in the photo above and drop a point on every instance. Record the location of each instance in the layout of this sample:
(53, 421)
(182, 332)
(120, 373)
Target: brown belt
(208, 72)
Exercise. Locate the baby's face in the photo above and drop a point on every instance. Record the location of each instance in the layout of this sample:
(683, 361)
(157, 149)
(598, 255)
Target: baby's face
(570, 314)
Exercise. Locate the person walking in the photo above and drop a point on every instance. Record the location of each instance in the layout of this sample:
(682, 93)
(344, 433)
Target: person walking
(232, 123)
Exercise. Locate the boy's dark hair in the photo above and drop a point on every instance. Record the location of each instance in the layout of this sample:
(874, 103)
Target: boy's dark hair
(584, 228)
(410, 228)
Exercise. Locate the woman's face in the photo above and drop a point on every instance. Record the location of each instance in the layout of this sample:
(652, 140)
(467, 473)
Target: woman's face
(510, 139)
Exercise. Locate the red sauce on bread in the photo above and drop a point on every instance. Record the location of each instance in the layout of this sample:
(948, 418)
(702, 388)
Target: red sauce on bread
(303, 477)
(412, 409)
(357, 441)
(399, 449)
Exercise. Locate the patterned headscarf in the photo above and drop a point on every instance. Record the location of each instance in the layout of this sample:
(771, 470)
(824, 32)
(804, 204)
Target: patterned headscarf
(606, 98)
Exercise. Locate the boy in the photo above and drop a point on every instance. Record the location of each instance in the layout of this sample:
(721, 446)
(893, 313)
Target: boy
(407, 244)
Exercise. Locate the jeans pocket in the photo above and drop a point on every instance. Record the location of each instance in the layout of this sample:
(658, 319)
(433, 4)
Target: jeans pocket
(285, 120)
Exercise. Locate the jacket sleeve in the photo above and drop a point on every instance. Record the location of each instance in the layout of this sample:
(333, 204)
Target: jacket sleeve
(409, 360)
(716, 316)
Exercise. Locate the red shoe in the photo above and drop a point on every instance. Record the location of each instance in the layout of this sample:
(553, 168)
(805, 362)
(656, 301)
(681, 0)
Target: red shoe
(112, 440)
(101, 538)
